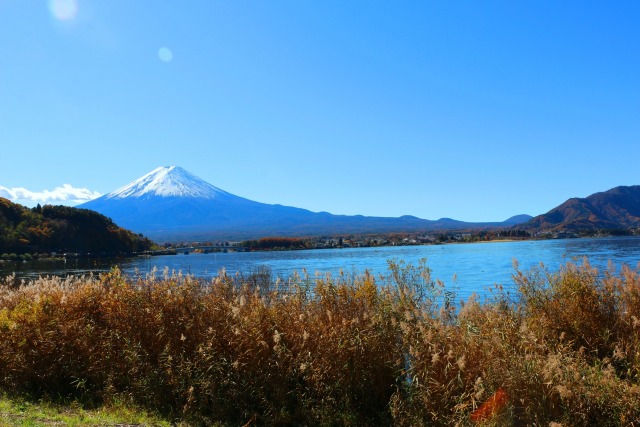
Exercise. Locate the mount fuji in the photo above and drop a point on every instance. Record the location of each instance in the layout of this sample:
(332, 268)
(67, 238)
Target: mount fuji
(170, 204)
(170, 181)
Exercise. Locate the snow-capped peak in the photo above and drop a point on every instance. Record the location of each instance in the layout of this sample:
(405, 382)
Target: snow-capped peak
(168, 181)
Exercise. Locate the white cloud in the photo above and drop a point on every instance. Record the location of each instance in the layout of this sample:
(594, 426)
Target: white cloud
(65, 195)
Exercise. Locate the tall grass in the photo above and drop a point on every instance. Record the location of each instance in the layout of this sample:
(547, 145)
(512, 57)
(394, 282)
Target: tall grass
(342, 350)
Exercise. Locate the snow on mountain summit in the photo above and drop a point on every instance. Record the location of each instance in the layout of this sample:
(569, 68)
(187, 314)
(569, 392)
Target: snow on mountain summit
(168, 181)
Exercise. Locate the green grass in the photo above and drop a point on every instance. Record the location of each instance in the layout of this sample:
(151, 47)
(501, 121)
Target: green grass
(21, 412)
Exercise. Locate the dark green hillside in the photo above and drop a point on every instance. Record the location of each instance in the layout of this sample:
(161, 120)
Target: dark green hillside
(62, 228)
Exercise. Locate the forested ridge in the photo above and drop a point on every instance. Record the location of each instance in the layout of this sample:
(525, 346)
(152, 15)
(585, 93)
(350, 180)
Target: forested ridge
(62, 228)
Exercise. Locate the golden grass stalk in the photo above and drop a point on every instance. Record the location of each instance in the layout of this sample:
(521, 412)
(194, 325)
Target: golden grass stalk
(344, 350)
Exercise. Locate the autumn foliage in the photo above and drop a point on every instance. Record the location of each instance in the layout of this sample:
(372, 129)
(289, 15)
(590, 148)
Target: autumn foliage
(562, 347)
(63, 229)
(277, 243)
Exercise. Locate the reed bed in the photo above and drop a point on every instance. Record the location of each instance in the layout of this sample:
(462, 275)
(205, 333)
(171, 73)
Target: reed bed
(563, 349)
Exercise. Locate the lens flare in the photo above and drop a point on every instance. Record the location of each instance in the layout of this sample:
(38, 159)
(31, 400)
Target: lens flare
(165, 54)
(490, 407)
(63, 10)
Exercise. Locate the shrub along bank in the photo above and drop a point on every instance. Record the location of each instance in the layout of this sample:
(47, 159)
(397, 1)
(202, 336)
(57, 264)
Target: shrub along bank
(340, 350)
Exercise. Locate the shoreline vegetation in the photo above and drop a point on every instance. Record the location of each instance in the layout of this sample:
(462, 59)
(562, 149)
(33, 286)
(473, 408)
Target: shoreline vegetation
(267, 244)
(279, 243)
(50, 231)
(563, 348)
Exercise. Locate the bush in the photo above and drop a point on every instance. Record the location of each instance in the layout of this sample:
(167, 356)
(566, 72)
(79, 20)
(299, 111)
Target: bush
(332, 350)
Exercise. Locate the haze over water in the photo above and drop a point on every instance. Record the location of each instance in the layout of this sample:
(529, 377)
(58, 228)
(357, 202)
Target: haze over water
(477, 266)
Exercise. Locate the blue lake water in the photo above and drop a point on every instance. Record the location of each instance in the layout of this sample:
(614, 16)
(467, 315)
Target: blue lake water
(476, 266)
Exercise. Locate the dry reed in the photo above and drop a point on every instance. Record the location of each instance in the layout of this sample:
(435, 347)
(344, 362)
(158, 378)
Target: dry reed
(340, 350)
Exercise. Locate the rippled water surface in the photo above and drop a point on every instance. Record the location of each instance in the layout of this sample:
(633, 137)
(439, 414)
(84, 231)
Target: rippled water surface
(476, 266)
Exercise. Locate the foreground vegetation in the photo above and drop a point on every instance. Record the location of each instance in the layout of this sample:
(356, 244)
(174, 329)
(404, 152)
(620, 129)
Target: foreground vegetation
(348, 350)
(17, 411)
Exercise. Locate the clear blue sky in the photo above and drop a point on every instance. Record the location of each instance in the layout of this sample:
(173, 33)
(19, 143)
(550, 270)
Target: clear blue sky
(475, 110)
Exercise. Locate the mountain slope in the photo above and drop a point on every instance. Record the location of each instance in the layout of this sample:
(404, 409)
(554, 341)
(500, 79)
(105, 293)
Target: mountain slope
(518, 219)
(618, 208)
(62, 228)
(170, 181)
(170, 204)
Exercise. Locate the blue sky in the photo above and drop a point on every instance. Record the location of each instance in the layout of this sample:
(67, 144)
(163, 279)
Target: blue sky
(464, 109)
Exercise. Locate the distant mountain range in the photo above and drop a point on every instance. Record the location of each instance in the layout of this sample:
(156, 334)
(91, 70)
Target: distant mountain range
(618, 208)
(170, 204)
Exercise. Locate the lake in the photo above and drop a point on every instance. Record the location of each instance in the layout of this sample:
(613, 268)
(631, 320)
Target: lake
(476, 266)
